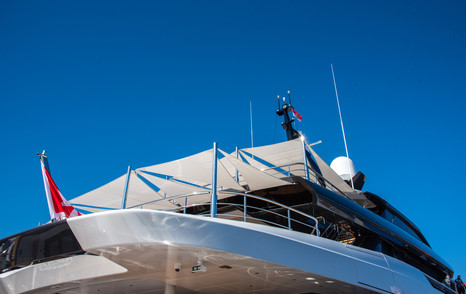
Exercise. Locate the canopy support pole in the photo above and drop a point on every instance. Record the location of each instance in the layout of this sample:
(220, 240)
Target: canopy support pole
(306, 168)
(237, 156)
(125, 193)
(213, 200)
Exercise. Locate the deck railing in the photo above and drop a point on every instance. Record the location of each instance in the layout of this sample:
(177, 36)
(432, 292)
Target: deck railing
(271, 212)
(281, 216)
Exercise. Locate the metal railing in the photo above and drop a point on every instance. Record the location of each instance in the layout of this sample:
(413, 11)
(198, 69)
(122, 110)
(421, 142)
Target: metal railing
(264, 214)
(281, 216)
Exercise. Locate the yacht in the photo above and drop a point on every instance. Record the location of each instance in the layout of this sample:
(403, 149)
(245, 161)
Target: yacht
(269, 219)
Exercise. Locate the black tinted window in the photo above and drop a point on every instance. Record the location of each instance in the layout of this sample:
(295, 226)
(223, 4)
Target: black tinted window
(42, 243)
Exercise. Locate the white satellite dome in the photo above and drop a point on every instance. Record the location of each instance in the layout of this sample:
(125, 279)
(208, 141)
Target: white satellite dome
(344, 167)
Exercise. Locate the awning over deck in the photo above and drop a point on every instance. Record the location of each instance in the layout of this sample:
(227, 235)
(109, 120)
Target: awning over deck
(157, 186)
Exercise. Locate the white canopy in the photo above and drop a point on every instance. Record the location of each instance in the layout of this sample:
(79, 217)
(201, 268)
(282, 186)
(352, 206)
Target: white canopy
(196, 169)
(159, 186)
(255, 178)
(110, 196)
(286, 155)
(329, 174)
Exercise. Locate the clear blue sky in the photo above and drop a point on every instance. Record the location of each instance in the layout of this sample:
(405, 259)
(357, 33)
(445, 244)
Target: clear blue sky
(102, 85)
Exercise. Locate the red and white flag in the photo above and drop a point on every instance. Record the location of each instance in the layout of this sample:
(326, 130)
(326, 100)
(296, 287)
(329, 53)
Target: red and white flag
(297, 115)
(58, 206)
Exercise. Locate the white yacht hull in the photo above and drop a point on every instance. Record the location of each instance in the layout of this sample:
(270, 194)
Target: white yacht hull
(137, 251)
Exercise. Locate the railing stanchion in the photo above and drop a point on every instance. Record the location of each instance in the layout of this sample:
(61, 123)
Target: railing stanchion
(289, 220)
(244, 208)
(185, 204)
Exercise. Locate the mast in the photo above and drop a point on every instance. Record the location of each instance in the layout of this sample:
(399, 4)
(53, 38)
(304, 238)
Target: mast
(287, 124)
(291, 134)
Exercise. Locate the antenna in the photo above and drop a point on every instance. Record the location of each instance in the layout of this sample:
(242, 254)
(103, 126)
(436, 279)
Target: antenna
(342, 128)
(289, 97)
(252, 133)
(291, 107)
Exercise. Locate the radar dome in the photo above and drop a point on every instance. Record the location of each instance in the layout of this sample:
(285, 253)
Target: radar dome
(344, 167)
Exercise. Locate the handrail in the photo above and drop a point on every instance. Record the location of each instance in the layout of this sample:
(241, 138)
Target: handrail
(274, 202)
(182, 208)
(207, 191)
(313, 227)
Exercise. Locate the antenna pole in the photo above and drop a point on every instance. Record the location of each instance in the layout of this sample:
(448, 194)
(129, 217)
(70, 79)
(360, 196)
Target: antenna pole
(342, 128)
(289, 98)
(252, 133)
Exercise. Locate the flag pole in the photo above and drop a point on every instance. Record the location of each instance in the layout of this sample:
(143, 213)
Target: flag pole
(43, 157)
(45, 165)
(59, 207)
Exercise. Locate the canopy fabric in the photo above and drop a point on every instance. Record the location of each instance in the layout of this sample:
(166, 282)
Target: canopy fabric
(164, 186)
(232, 171)
(288, 155)
(329, 174)
(196, 169)
(260, 166)
(251, 161)
(281, 153)
(255, 178)
(111, 194)
(170, 188)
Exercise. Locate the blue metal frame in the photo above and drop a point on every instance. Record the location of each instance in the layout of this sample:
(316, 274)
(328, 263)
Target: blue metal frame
(213, 201)
(125, 193)
(237, 174)
(306, 168)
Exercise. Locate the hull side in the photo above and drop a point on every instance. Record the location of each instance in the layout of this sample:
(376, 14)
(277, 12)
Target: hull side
(146, 246)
